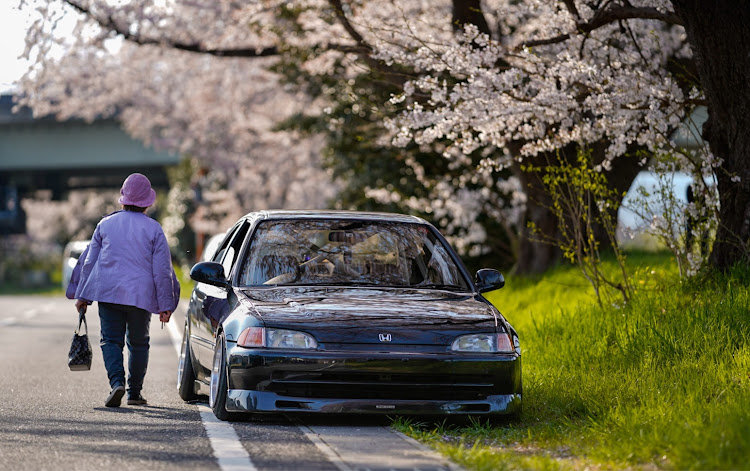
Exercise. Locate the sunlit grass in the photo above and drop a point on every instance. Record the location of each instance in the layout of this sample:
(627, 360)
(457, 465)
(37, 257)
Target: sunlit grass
(186, 283)
(662, 382)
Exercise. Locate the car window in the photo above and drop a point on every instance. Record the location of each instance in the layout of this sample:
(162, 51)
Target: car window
(221, 250)
(376, 253)
(232, 248)
(212, 246)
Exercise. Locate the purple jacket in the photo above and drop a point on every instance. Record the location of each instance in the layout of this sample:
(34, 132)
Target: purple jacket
(127, 262)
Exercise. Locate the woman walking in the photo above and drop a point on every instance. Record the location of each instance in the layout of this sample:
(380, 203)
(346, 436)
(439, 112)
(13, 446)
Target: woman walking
(127, 269)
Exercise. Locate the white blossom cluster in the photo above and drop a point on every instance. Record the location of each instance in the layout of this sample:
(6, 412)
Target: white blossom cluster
(611, 85)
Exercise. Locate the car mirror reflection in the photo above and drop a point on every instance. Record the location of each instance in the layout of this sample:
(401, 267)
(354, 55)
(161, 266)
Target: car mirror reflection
(211, 273)
(489, 279)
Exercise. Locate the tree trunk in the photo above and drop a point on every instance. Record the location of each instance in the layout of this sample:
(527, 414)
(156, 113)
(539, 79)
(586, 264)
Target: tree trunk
(469, 12)
(720, 38)
(535, 256)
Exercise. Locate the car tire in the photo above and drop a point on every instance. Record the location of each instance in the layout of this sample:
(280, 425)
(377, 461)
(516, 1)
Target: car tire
(185, 372)
(217, 399)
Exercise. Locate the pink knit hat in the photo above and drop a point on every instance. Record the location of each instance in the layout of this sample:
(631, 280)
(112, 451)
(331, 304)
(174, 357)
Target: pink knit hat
(136, 191)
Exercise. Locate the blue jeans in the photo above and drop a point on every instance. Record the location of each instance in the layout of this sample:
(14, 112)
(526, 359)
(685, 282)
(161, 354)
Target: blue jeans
(118, 323)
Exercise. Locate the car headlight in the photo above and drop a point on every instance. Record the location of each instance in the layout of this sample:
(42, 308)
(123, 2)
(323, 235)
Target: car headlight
(279, 338)
(254, 337)
(484, 343)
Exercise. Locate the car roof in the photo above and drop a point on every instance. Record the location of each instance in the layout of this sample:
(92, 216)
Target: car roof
(335, 214)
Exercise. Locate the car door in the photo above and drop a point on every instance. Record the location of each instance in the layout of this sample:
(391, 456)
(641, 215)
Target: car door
(209, 303)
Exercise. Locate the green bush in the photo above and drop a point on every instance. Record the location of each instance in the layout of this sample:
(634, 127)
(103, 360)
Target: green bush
(26, 264)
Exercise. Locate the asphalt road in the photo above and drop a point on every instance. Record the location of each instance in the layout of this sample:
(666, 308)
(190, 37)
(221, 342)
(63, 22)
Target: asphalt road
(55, 419)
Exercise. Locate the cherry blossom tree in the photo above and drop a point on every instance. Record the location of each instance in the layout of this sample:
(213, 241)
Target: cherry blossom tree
(219, 111)
(515, 80)
(537, 77)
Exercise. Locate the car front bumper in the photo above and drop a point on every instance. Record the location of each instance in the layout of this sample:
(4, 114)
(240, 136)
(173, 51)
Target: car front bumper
(373, 383)
(241, 400)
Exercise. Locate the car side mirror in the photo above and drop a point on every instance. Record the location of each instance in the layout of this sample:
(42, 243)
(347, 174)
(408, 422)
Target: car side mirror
(211, 273)
(489, 279)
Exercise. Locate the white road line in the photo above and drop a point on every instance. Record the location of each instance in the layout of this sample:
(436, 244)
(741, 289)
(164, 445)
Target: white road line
(228, 451)
(31, 313)
(7, 322)
(329, 453)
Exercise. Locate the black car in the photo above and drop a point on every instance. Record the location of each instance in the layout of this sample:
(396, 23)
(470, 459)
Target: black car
(345, 312)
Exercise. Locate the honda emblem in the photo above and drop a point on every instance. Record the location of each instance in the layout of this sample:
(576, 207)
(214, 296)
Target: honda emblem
(384, 337)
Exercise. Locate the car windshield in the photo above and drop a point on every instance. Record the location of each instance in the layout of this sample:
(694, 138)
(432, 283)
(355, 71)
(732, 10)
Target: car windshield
(356, 253)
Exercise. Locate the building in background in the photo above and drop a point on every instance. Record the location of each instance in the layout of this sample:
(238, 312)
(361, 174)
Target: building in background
(44, 153)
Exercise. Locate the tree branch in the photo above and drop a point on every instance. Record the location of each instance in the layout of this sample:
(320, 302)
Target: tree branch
(605, 17)
(353, 33)
(364, 49)
(571, 6)
(361, 48)
(110, 24)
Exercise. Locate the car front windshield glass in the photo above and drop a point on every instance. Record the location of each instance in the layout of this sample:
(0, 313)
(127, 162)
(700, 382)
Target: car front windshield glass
(350, 253)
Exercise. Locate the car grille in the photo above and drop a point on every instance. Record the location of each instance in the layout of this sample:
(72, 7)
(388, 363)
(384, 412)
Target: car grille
(381, 386)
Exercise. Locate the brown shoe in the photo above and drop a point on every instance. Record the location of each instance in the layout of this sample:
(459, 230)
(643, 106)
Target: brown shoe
(115, 396)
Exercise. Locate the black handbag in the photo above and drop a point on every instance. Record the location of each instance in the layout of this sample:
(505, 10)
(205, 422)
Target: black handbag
(79, 356)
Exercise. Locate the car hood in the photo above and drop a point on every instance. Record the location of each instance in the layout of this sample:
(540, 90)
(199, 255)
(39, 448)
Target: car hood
(360, 315)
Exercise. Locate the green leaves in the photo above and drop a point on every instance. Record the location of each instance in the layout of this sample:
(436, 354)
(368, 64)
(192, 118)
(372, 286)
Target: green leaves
(584, 206)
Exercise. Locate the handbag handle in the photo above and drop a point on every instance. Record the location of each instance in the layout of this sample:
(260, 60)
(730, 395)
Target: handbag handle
(82, 320)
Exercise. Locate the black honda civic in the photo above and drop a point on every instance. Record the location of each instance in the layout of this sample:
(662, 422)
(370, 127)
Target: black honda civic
(345, 312)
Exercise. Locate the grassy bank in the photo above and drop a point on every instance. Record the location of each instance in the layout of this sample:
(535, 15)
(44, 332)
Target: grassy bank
(663, 382)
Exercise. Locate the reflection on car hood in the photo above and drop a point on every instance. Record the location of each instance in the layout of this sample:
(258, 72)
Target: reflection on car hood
(358, 315)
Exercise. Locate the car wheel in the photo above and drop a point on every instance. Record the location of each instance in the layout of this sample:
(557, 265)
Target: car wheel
(217, 398)
(185, 372)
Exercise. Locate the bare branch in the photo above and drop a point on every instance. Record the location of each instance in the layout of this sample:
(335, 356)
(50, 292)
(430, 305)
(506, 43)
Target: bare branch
(605, 17)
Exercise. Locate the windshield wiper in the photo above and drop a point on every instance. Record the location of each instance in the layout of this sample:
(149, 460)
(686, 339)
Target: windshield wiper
(439, 286)
(350, 283)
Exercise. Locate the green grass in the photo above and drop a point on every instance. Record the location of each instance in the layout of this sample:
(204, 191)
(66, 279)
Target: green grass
(663, 382)
(11, 289)
(186, 283)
